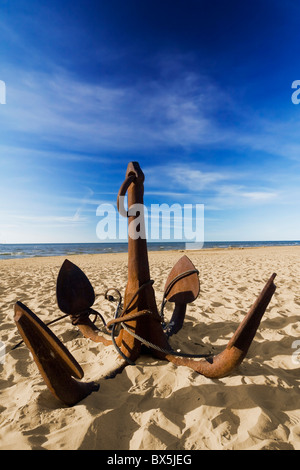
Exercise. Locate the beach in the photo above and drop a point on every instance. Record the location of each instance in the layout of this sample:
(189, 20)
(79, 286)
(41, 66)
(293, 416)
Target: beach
(155, 405)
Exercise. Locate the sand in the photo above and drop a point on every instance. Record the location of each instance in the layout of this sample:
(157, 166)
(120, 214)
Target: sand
(155, 404)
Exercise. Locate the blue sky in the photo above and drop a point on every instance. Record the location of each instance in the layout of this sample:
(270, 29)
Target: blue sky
(198, 92)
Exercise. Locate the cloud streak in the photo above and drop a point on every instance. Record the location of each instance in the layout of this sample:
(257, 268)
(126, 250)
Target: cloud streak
(58, 108)
(178, 112)
(218, 189)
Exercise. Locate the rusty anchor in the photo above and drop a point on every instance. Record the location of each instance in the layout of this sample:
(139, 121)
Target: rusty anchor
(137, 322)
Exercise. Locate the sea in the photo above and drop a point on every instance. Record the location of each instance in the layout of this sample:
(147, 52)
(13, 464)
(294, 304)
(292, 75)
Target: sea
(33, 250)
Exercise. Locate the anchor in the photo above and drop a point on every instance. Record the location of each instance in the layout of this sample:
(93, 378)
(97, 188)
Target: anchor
(137, 323)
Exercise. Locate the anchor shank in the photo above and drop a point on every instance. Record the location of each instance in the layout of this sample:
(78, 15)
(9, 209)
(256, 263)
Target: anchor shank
(138, 264)
(138, 270)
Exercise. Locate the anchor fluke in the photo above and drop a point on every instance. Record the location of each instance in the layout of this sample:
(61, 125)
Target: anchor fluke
(75, 296)
(182, 287)
(56, 364)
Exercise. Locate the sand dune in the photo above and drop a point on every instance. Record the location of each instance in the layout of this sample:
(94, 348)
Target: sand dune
(156, 405)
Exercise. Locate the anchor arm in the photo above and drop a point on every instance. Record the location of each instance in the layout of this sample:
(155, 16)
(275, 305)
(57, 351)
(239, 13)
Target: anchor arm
(177, 319)
(90, 331)
(237, 348)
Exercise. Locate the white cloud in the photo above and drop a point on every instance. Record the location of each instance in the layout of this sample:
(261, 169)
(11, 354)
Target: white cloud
(61, 109)
(188, 177)
(218, 189)
(182, 110)
(259, 196)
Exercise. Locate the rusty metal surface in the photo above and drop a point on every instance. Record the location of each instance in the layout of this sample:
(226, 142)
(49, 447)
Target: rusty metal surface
(75, 296)
(186, 289)
(182, 287)
(224, 363)
(74, 292)
(57, 366)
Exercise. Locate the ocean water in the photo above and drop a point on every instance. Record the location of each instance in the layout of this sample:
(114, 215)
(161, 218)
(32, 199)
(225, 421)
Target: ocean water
(31, 250)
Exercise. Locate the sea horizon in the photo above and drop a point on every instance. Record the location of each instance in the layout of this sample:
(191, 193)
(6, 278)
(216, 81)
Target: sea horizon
(34, 250)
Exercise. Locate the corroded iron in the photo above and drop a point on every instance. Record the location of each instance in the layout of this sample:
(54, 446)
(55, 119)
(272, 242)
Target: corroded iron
(137, 320)
(182, 287)
(75, 296)
(56, 364)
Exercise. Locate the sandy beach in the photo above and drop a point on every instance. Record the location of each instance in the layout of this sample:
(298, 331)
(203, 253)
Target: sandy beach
(156, 405)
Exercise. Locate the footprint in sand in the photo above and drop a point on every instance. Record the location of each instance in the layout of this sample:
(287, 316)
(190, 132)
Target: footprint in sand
(242, 289)
(216, 304)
